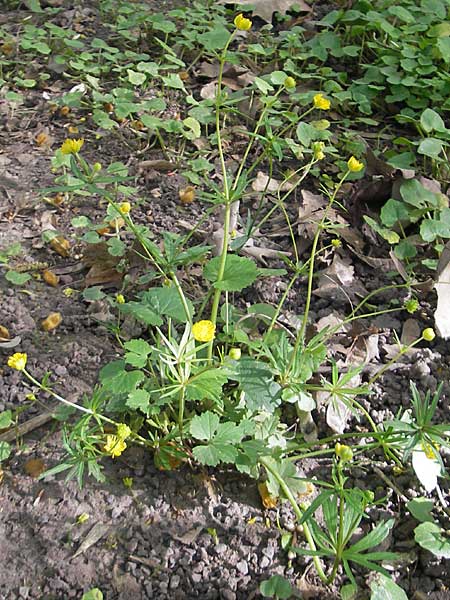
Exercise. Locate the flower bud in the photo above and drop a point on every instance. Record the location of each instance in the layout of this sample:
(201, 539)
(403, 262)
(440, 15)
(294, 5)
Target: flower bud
(290, 83)
(235, 353)
(428, 334)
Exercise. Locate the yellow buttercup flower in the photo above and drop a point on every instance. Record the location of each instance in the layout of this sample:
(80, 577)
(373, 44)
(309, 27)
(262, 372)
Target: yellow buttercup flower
(318, 152)
(124, 208)
(345, 453)
(114, 445)
(123, 431)
(321, 102)
(18, 361)
(70, 146)
(242, 23)
(120, 299)
(203, 331)
(354, 165)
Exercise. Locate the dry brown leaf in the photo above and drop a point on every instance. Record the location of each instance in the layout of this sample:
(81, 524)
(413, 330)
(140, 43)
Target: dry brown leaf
(263, 183)
(267, 499)
(50, 278)
(95, 534)
(442, 287)
(187, 194)
(410, 332)
(4, 334)
(266, 8)
(60, 245)
(52, 321)
(34, 467)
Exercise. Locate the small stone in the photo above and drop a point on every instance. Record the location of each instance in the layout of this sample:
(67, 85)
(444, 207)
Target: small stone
(196, 577)
(242, 567)
(174, 582)
(264, 562)
(228, 595)
(220, 548)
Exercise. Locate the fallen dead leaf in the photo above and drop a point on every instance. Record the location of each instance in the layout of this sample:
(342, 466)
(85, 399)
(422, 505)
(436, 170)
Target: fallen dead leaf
(34, 467)
(50, 278)
(266, 8)
(267, 499)
(98, 531)
(442, 287)
(410, 332)
(263, 183)
(52, 321)
(60, 245)
(187, 194)
(4, 334)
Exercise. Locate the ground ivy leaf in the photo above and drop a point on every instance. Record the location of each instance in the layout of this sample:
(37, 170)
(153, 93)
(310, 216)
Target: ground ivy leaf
(17, 278)
(421, 509)
(5, 419)
(383, 588)
(239, 273)
(138, 399)
(429, 536)
(5, 450)
(203, 427)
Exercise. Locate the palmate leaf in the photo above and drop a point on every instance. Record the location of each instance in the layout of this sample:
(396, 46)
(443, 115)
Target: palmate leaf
(137, 353)
(262, 393)
(239, 273)
(222, 438)
(207, 385)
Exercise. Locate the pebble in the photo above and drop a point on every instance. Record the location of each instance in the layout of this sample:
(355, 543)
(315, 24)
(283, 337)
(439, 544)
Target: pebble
(242, 567)
(228, 595)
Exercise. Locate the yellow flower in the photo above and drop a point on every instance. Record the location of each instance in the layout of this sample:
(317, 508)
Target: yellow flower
(203, 331)
(68, 292)
(242, 23)
(124, 208)
(123, 431)
(114, 445)
(321, 102)
(120, 299)
(354, 165)
(318, 152)
(96, 167)
(17, 361)
(70, 146)
(345, 453)
(428, 334)
(336, 243)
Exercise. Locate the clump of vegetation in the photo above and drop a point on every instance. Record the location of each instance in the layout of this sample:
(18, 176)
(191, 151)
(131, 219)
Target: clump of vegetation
(213, 380)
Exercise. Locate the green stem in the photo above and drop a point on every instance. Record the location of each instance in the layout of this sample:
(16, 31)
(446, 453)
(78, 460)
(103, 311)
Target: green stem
(340, 538)
(226, 195)
(298, 513)
(301, 333)
(83, 409)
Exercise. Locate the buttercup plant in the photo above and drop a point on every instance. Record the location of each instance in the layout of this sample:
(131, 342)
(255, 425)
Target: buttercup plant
(211, 383)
